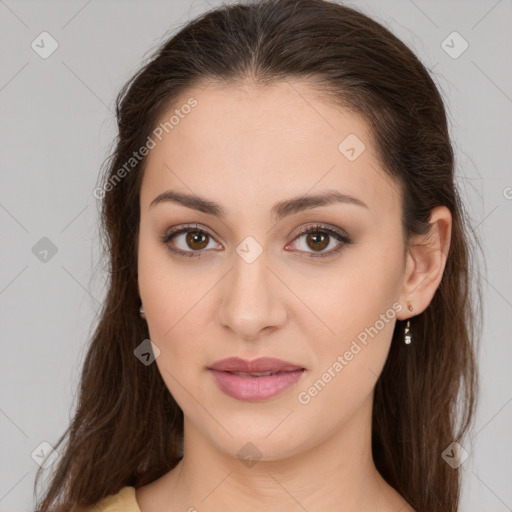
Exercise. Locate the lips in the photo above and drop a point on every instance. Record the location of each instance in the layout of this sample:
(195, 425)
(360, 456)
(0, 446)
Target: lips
(254, 380)
(263, 364)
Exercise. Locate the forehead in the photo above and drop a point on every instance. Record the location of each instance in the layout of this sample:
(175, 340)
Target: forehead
(245, 141)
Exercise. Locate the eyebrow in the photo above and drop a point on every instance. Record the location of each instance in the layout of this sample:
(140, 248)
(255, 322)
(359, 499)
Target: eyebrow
(279, 210)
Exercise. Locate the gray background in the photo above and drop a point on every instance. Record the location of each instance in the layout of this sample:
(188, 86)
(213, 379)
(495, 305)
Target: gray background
(57, 125)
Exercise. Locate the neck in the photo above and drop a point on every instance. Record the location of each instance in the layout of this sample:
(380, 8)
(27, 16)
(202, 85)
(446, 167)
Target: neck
(336, 474)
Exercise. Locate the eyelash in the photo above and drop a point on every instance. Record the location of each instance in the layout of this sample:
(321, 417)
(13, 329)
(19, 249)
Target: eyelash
(339, 236)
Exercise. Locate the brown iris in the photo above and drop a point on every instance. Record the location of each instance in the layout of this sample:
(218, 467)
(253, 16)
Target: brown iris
(317, 241)
(196, 237)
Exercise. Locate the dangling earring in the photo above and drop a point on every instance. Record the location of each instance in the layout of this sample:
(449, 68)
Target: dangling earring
(141, 311)
(408, 336)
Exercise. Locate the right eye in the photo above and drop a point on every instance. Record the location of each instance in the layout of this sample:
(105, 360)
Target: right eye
(189, 237)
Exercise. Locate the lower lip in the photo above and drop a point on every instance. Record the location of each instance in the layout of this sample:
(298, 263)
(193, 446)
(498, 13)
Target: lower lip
(252, 389)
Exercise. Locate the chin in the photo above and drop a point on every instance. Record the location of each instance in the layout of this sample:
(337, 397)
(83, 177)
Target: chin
(251, 447)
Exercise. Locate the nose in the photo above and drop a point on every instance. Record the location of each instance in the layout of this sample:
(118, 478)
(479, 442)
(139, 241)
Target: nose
(253, 299)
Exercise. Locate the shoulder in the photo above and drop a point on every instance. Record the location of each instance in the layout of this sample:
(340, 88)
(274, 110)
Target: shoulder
(123, 501)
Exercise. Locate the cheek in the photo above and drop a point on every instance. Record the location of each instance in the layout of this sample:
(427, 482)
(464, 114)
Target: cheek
(172, 302)
(169, 291)
(354, 294)
(357, 307)
(345, 374)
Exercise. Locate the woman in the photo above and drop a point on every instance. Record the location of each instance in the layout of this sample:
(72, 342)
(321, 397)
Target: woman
(289, 322)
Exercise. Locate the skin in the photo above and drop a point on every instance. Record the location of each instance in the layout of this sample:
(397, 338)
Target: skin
(247, 148)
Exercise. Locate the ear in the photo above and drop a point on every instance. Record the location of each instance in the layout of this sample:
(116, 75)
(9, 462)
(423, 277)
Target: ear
(425, 262)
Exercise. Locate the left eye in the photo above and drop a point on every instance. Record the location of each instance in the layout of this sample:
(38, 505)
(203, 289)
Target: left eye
(318, 238)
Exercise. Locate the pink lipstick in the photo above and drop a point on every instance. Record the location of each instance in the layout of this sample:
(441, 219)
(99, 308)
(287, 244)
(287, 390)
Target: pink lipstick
(254, 380)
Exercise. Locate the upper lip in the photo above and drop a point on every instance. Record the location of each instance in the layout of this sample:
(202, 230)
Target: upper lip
(262, 364)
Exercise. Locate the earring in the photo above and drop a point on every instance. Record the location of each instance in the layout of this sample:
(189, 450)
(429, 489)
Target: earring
(407, 338)
(408, 335)
(141, 311)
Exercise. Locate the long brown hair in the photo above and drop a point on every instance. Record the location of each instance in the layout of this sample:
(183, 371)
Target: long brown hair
(127, 428)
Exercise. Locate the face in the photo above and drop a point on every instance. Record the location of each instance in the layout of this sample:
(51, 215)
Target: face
(242, 278)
